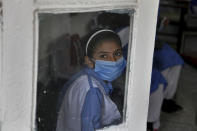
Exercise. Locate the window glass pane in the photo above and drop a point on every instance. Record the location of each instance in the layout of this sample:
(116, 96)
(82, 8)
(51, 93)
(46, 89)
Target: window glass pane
(94, 97)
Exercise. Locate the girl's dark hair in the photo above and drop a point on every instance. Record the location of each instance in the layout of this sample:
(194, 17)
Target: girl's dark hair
(100, 38)
(113, 21)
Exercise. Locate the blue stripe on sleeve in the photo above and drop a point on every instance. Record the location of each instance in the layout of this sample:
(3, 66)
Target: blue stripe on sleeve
(92, 109)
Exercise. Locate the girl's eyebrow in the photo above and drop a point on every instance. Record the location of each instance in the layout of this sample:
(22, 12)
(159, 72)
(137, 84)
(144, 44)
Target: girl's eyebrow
(118, 49)
(103, 52)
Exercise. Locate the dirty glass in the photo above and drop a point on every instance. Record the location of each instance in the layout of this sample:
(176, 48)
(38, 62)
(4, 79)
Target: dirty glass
(62, 42)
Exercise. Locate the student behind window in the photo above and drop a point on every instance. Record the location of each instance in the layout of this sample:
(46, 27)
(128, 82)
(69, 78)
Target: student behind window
(84, 103)
(165, 73)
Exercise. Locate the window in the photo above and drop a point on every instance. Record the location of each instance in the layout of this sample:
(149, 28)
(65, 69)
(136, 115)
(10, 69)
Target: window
(62, 45)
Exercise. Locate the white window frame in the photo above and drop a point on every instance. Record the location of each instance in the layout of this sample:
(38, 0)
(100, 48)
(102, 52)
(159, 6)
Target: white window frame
(19, 59)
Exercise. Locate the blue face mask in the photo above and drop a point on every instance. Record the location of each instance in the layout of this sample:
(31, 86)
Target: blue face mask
(109, 70)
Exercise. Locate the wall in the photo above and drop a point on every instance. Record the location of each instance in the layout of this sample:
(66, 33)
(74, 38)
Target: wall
(50, 28)
(53, 26)
(1, 45)
(20, 49)
(17, 61)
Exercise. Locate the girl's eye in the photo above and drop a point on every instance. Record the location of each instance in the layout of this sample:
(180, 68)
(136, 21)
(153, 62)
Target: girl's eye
(119, 53)
(104, 56)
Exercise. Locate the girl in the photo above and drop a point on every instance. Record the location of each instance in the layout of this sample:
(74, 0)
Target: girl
(85, 104)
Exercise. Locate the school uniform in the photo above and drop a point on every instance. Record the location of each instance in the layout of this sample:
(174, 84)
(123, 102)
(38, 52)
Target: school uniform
(85, 105)
(169, 63)
(158, 86)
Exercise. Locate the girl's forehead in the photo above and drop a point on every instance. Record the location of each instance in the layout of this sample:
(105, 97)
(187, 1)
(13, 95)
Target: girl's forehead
(108, 46)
